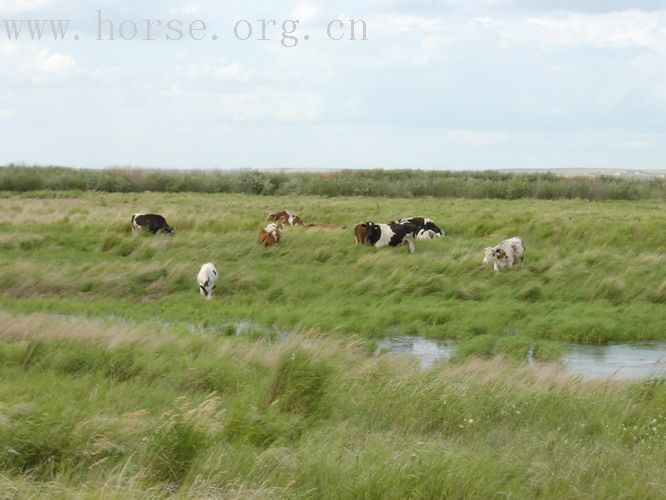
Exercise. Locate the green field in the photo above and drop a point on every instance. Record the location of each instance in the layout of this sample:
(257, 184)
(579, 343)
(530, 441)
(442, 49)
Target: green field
(118, 379)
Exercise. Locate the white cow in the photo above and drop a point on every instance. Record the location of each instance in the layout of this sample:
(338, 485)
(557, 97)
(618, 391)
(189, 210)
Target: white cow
(506, 254)
(207, 278)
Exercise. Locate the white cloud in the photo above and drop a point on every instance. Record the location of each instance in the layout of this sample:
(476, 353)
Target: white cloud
(266, 105)
(629, 29)
(476, 138)
(7, 6)
(639, 144)
(260, 104)
(38, 65)
(393, 24)
(633, 29)
(45, 62)
(305, 12)
(214, 70)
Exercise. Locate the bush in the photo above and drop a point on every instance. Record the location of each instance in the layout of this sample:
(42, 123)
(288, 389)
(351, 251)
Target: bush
(299, 383)
(182, 436)
(611, 289)
(172, 449)
(36, 444)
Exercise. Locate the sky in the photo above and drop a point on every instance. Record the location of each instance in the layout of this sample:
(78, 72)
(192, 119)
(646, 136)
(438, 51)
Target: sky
(438, 84)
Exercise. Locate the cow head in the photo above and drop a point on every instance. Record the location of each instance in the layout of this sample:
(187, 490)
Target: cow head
(431, 226)
(372, 231)
(427, 234)
(295, 220)
(494, 255)
(278, 216)
(170, 230)
(488, 257)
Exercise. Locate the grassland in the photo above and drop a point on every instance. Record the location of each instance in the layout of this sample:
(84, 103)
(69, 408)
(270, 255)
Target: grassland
(595, 272)
(118, 380)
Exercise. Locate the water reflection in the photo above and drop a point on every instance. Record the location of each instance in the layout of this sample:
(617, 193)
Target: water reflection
(622, 361)
(428, 351)
(625, 361)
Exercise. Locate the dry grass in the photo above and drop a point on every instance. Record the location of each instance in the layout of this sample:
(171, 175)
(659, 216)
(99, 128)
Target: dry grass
(50, 327)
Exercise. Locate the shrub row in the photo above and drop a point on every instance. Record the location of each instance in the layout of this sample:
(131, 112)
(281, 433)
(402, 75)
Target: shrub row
(391, 183)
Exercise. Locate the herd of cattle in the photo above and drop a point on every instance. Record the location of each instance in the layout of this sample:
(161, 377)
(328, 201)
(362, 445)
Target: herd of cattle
(403, 231)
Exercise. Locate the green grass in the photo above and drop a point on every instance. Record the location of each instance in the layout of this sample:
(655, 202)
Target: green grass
(118, 380)
(595, 272)
(104, 409)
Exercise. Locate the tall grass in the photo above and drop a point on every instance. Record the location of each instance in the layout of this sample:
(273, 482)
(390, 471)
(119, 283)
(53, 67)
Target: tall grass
(309, 417)
(393, 183)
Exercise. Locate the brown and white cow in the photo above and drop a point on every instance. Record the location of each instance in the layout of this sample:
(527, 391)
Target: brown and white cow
(286, 217)
(505, 254)
(270, 235)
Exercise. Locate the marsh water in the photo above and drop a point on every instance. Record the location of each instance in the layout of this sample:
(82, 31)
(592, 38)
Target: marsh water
(622, 361)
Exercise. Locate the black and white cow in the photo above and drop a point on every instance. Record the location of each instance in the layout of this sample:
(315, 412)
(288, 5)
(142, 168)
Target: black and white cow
(428, 230)
(390, 235)
(153, 222)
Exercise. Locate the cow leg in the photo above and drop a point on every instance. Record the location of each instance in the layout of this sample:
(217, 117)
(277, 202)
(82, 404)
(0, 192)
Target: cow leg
(496, 267)
(410, 244)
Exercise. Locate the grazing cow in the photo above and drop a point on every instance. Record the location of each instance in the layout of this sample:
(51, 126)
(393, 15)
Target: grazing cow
(506, 254)
(360, 234)
(270, 235)
(207, 278)
(286, 217)
(153, 222)
(391, 235)
(428, 230)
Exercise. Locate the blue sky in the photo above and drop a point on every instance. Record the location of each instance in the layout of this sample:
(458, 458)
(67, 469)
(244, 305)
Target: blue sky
(446, 84)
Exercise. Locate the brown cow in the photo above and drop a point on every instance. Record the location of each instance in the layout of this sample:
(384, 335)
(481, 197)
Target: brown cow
(286, 217)
(360, 234)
